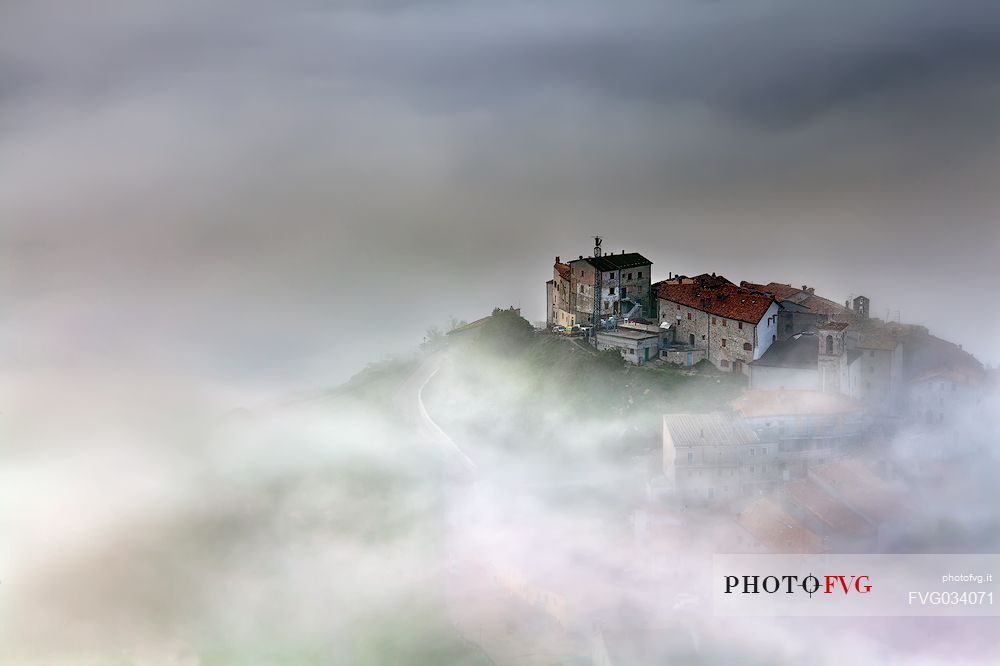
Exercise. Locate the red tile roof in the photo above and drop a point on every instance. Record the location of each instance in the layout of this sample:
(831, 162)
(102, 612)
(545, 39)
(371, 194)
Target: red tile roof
(773, 527)
(832, 513)
(723, 299)
(563, 269)
(804, 297)
(780, 291)
(794, 402)
(855, 485)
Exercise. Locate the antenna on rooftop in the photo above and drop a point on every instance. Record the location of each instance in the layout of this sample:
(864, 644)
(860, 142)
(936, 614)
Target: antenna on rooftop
(597, 246)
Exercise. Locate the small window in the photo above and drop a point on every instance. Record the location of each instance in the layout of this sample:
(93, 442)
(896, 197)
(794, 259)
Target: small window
(689, 315)
(611, 290)
(740, 325)
(747, 346)
(724, 363)
(629, 276)
(713, 321)
(723, 322)
(640, 275)
(690, 458)
(753, 451)
(723, 342)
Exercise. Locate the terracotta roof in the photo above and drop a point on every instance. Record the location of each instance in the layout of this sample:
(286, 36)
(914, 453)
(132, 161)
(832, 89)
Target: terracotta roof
(707, 429)
(563, 269)
(725, 300)
(773, 527)
(873, 334)
(756, 402)
(835, 515)
(779, 290)
(822, 305)
(855, 485)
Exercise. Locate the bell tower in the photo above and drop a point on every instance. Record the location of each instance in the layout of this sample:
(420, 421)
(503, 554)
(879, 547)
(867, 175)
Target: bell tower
(832, 358)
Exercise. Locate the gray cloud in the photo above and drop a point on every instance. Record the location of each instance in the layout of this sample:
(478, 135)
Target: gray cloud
(218, 189)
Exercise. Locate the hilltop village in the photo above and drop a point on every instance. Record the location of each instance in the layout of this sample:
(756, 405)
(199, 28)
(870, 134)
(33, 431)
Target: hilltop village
(799, 462)
(602, 458)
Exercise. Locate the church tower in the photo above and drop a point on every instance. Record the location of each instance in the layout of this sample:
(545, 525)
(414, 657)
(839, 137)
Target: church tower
(832, 359)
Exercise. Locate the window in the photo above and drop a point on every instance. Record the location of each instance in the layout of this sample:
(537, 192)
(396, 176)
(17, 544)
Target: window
(640, 275)
(629, 276)
(678, 307)
(689, 315)
(723, 342)
(747, 346)
(723, 322)
(611, 290)
(690, 458)
(829, 344)
(753, 451)
(713, 321)
(724, 363)
(740, 325)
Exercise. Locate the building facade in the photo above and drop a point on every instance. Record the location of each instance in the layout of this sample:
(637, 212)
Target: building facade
(732, 325)
(610, 285)
(636, 346)
(558, 292)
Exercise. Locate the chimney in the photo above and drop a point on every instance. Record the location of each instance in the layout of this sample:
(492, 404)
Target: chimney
(557, 258)
(670, 276)
(581, 256)
(847, 304)
(805, 288)
(811, 290)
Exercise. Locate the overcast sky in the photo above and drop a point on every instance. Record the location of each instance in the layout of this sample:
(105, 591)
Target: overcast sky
(266, 196)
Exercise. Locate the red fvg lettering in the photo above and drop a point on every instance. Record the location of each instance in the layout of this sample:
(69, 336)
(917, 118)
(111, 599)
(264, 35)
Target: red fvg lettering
(855, 582)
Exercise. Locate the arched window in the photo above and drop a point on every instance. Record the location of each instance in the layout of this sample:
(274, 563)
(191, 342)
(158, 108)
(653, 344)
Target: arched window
(829, 344)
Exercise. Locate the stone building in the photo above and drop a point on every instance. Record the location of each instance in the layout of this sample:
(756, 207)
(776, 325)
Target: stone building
(880, 374)
(832, 362)
(704, 454)
(610, 285)
(935, 397)
(799, 429)
(558, 310)
(732, 325)
(801, 309)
